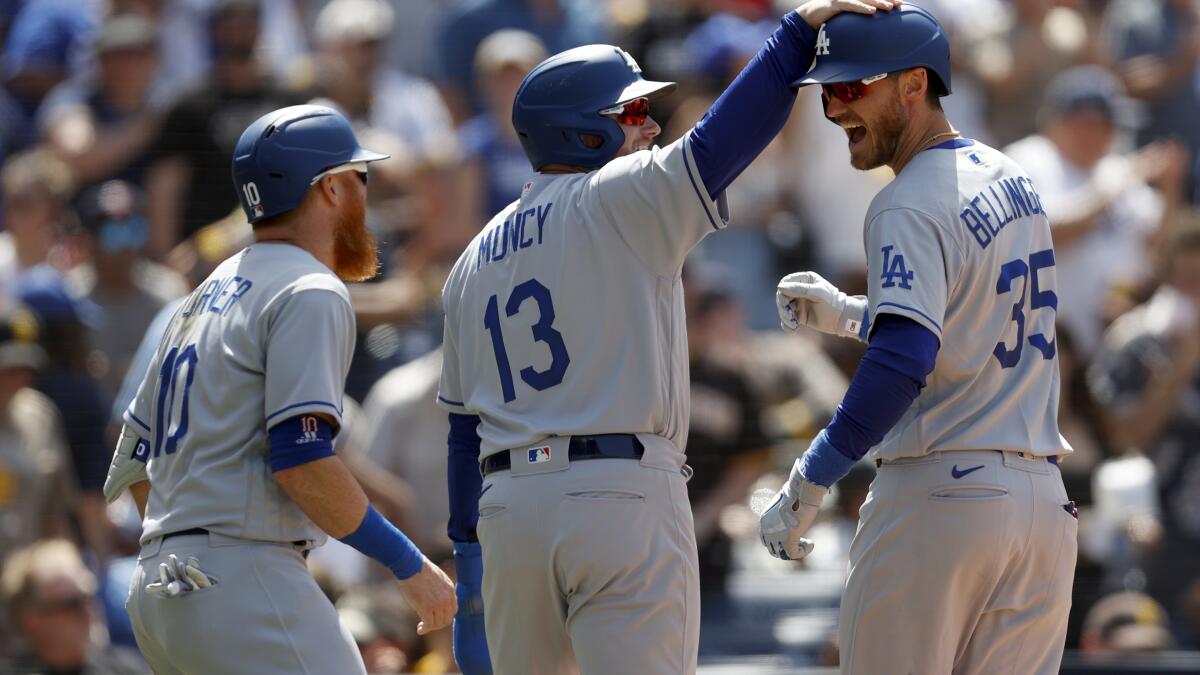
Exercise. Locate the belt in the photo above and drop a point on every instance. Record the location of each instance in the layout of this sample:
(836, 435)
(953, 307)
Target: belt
(299, 543)
(604, 446)
(1053, 459)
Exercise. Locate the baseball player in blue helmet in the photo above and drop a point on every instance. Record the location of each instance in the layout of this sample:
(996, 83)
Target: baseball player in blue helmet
(565, 369)
(228, 445)
(965, 549)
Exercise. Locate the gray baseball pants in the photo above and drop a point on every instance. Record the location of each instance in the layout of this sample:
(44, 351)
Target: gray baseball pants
(589, 567)
(266, 614)
(962, 563)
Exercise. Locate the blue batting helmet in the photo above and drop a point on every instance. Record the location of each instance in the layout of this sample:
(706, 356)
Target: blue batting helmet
(857, 46)
(562, 98)
(278, 155)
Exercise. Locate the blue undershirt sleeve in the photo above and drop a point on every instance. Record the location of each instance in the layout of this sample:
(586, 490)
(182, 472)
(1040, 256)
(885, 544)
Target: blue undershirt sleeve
(889, 378)
(465, 481)
(754, 107)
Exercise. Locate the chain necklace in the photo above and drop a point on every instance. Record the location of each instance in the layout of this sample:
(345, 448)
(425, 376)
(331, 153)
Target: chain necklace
(925, 143)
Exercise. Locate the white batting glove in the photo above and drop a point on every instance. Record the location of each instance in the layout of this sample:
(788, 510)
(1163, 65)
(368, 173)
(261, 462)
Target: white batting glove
(782, 526)
(806, 298)
(176, 578)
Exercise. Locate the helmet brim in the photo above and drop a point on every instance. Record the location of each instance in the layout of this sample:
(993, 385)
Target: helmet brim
(645, 89)
(364, 155)
(835, 72)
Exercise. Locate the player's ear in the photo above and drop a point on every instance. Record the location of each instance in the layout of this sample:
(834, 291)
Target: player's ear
(914, 82)
(327, 189)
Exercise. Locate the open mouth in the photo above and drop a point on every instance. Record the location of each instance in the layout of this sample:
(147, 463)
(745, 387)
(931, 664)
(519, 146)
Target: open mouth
(855, 132)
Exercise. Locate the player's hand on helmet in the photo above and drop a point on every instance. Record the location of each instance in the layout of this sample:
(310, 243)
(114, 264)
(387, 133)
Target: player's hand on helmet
(177, 578)
(817, 12)
(806, 298)
(431, 595)
(782, 526)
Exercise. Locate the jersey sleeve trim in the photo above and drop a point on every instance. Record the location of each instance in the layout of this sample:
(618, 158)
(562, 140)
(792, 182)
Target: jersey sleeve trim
(459, 407)
(134, 418)
(907, 311)
(306, 403)
(701, 191)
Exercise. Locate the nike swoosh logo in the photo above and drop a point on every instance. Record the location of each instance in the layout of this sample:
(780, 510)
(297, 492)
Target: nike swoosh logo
(959, 474)
(486, 488)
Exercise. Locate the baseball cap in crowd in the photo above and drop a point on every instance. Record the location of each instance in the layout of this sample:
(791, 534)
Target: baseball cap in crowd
(43, 290)
(725, 41)
(509, 47)
(126, 31)
(1089, 89)
(112, 213)
(1127, 622)
(354, 21)
(19, 348)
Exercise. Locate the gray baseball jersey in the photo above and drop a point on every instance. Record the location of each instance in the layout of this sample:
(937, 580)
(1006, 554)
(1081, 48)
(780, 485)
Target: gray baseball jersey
(269, 335)
(565, 314)
(976, 267)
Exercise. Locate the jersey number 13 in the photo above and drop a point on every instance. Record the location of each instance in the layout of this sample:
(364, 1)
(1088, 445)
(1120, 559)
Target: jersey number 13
(543, 331)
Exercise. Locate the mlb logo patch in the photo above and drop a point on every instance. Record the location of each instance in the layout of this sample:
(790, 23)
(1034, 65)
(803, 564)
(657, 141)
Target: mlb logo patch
(539, 455)
(976, 158)
(525, 190)
(258, 211)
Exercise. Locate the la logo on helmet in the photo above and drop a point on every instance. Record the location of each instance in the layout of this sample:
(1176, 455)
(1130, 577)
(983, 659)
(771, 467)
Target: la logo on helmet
(822, 42)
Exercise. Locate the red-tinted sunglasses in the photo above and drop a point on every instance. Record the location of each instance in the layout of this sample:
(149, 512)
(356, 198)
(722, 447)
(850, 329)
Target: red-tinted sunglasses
(633, 113)
(848, 92)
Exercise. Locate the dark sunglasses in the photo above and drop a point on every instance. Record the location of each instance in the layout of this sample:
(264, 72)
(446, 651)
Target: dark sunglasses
(848, 92)
(633, 114)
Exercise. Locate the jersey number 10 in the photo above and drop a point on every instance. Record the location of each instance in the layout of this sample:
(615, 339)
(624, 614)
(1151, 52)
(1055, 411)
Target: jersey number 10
(176, 366)
(543, 331)
(1038, 298)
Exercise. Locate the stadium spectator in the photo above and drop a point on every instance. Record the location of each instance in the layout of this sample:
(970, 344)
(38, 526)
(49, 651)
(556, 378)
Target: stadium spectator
(51, 595)
(1018, 57)
(495, 167)
(559, 24)
(401, 433)
(102, 125)
(1103, 214)
(1147, 377)
(1125, 623)
(369, 91)
(187, 182)
(1156, 47)
(128, 289)
(37, 486)
(65, 320)
(37, 187)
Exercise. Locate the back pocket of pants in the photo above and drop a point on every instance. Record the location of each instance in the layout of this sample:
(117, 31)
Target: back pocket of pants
(607, 496)
(967, 493)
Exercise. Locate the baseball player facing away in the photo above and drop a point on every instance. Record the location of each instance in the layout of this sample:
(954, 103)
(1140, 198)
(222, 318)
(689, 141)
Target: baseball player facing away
(965, 548)
(227, 447)
(565, 372)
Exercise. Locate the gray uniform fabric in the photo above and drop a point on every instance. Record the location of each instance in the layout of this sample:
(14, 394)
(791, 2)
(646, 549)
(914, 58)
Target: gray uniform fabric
(268, 336)
(565, 317)
(974, 264)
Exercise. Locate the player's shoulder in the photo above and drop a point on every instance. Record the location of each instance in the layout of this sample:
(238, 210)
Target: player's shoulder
(283, 269)
(468, 258)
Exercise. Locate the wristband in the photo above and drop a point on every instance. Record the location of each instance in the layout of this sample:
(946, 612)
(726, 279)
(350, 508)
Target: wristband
(377, 538)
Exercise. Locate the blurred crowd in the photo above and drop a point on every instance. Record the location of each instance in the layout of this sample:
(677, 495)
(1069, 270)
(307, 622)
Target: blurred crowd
(117, 120)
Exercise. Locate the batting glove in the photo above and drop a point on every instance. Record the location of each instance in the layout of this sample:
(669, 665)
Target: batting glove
(782, 526)
(806, 298)
(176, 578)
(470, 639)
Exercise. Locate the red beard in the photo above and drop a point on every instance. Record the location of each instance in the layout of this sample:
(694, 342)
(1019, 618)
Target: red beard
(355, 251)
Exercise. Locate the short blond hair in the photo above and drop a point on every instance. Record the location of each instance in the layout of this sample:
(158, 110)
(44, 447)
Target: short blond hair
(38, 170)
(24, 567)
